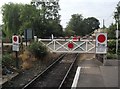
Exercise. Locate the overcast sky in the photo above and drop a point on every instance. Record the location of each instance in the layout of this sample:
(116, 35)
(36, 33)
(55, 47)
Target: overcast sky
(100, 9)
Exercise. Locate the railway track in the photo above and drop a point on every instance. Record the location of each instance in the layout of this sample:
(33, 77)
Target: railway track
(55, 75)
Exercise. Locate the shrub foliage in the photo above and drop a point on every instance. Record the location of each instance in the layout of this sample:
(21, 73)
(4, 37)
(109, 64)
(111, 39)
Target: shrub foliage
(7, 60)
(112, 47)
(37, 49)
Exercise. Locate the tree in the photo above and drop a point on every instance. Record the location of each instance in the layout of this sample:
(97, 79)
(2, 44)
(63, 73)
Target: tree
(74, 24)
(69, 32)
(117, 16)
(11, 20)
(28, 16)
(50, 17)
(81, 26)
(43, 18)
(111, 31)
(112, 28)
(117, 13)
(90, 24)
(18, 17)
(50, 10)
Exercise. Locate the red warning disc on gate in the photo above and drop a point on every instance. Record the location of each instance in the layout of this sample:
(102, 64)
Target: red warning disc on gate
(70, 45)
(74, 38)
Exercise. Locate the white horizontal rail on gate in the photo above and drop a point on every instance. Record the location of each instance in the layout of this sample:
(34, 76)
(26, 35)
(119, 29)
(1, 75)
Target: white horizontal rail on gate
(61, 45)
(52, 39)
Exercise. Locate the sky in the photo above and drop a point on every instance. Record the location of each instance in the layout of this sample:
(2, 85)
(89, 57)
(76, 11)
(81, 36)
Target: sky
(100, 9)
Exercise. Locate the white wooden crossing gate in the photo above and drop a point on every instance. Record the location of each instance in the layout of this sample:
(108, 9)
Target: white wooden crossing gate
(69, 46)
(75, 45)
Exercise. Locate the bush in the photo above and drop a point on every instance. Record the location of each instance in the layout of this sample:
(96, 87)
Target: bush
(111, 56)
(7, 49)
(112, 46)
(7, 60)
(37, 49)
(6, 40)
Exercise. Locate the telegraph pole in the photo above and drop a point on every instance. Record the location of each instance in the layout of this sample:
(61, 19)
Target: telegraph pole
(117, 31)
(117, 37)
(103, 24)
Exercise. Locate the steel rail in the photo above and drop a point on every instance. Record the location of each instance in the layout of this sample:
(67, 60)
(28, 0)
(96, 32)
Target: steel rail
(24, 87)
(61, 84)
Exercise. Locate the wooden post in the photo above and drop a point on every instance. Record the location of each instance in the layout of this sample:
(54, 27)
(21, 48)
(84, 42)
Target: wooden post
(17, 60)
(26, 36)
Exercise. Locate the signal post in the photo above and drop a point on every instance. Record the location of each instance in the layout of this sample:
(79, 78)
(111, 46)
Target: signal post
(15, 48)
